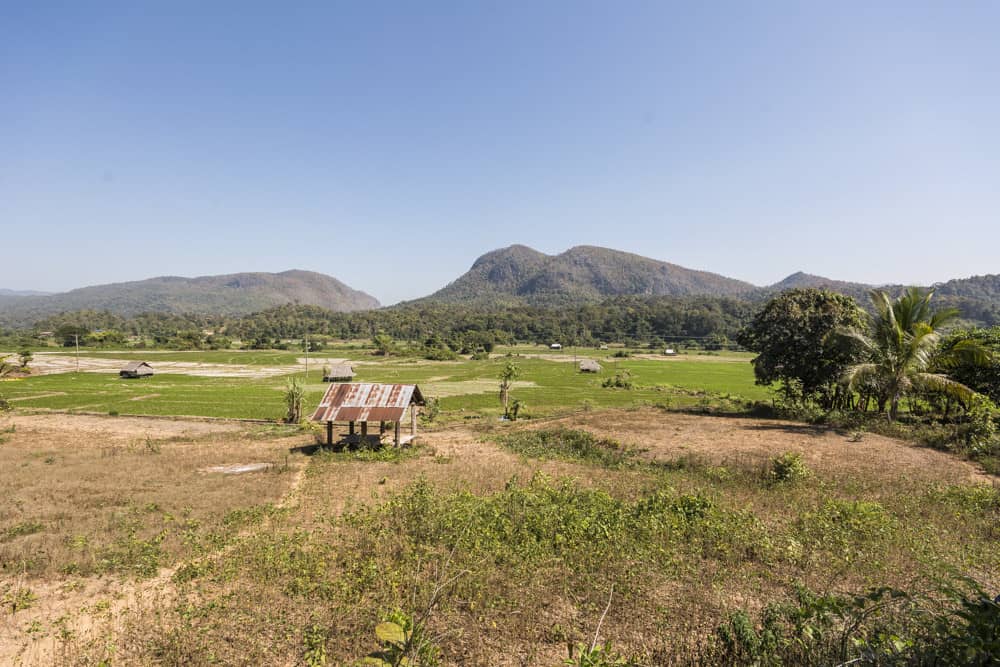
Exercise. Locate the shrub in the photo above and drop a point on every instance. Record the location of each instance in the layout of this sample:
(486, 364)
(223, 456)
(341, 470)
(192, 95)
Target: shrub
(621, 380)
(789, 467)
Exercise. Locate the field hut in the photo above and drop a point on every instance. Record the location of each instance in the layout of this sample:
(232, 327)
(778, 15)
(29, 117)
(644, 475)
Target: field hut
(555, 346)
(366, 402)
(670, 352)
(589, 366)
(339, 373)
(136, 369)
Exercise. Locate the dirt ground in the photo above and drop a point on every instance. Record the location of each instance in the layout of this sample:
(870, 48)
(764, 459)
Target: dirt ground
(741, 440)
(457, 456)
(77, 479)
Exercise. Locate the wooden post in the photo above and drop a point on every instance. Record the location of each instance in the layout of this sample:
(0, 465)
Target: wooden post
(395, 438)
(329, 434)
(364, 429)
(351, 428)
(413, 421)
(381, 428)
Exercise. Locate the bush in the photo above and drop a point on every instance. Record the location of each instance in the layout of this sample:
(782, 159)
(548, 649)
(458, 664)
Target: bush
(621, 380)
(789, 467)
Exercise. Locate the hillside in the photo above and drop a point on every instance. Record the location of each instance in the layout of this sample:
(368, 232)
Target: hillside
(232, 294)
(583, 274)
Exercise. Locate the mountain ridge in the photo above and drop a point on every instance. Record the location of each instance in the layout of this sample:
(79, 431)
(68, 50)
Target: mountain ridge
(226, 294)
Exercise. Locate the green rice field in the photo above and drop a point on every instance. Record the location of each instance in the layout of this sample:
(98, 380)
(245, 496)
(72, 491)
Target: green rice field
(547, 384)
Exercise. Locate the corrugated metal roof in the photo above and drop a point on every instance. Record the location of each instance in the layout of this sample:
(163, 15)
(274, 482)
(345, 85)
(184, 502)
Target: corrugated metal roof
(366, 401)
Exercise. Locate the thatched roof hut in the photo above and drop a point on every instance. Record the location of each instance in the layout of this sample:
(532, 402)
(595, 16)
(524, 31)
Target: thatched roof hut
(589, 366)
(136, 369)
(339, 373)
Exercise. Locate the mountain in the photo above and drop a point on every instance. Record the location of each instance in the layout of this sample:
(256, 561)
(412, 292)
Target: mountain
(521, 275)
(800, 280)
(15, 293)
(233, 294)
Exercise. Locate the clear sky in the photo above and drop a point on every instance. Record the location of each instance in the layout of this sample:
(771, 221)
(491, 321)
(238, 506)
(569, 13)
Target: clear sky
(391, 143)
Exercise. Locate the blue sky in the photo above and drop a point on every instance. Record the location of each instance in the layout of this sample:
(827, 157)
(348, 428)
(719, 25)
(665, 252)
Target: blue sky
(391, 143)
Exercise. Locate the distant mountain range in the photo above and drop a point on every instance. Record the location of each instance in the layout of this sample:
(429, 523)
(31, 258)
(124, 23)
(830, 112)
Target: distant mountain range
(233, 294)
(517, 275)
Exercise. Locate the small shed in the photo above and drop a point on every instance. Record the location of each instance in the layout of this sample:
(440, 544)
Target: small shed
(589, 366)
(670, 352)
(555, 346)
(365, 402)
(136, 369)
(339, 373)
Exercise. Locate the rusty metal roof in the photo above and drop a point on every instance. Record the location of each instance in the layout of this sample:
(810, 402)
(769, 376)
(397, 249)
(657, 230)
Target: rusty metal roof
(366, 401)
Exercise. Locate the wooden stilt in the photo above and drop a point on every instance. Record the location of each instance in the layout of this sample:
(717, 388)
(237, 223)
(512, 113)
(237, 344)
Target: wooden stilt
(329, 434)
(351, 428)
(381, 428)
(413, 420)
(364, 429)
(395, 438)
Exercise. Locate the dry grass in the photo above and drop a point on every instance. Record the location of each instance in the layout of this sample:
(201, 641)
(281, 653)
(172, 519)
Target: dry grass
(91, 503)
(319, 576)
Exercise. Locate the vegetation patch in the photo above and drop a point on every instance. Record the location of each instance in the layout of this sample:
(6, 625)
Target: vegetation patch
(567, 445)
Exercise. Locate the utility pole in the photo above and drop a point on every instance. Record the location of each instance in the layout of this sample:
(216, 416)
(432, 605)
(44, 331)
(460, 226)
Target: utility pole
(305, 342)
(76, 338)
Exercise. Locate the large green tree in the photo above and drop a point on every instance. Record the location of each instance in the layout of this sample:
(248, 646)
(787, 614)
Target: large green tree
(900, 346)
(792, 336)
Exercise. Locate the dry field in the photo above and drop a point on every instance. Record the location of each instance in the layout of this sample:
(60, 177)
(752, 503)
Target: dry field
(49, 363)
(134, 552)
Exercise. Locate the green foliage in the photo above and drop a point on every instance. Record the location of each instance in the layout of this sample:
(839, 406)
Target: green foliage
(508, 374)
(621, 380)
(602, 655)
(18, 599)
(983, 377)
(789, 467)
(404, 642)
(792, 336)
(956, 625)
(384, 344)
(294, 393)
(567, 445)
(903, 345)
(25, 357)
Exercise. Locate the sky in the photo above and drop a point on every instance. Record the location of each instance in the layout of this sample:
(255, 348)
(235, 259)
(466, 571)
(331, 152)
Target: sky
(389, 144)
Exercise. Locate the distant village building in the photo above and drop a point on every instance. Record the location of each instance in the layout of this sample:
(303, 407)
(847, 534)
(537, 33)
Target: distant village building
(555, 346)
(589, 366)
(136, 369)
(338, 373)
(669, 352)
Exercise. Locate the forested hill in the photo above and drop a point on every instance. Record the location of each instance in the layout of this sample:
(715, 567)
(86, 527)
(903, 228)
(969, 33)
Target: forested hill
(519, 275)
(233, 294)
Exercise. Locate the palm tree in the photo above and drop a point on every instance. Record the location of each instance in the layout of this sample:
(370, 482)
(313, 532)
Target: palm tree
(904, 341)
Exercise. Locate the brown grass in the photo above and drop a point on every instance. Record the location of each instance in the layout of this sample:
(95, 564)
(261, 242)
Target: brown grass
(254, 602)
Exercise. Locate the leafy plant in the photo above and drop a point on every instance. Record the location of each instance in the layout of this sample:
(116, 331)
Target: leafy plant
(789, 467)
(294, 393)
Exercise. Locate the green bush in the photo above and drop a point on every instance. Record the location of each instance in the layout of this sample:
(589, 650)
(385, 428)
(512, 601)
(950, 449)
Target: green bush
(789, 467)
